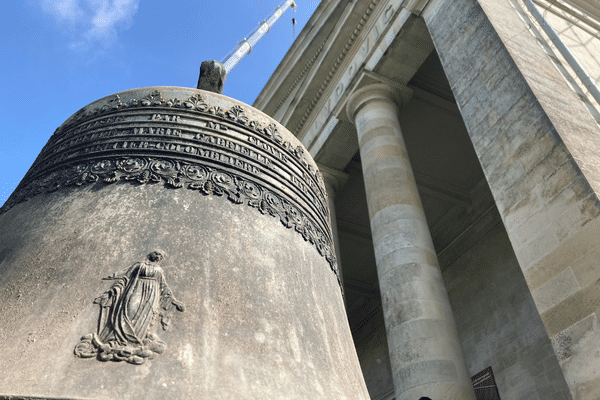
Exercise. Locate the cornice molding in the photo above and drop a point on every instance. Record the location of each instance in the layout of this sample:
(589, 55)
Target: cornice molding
(308, 98)
(295, 53)
(384, 25)
(350, 42)
(300, 76)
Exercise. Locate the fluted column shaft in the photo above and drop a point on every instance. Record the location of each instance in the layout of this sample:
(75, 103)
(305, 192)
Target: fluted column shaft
(425, 352)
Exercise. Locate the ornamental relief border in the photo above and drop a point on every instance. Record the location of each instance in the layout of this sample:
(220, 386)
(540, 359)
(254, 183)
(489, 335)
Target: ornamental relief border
(253, 155)
(218, 157)
(176, 174)
(195, 104)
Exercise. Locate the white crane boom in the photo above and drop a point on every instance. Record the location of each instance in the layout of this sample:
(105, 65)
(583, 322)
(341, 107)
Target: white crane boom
(245, 46)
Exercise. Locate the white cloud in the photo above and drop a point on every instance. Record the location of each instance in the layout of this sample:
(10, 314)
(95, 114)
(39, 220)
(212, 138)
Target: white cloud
(63, 10)
(92, 20)
(108, 13)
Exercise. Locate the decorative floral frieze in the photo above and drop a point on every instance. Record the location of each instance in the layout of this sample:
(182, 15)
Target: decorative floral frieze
(177, 174)
(194, 103)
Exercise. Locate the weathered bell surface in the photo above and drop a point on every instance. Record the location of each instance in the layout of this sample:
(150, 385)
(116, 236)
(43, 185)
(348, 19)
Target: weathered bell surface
(172, 243)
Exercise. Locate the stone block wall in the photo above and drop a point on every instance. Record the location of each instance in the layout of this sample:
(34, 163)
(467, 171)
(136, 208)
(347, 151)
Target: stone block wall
(498, 323)
(373, 354)
(540, 152)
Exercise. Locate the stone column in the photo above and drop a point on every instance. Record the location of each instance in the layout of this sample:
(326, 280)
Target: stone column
(425, 351)
(334, 179)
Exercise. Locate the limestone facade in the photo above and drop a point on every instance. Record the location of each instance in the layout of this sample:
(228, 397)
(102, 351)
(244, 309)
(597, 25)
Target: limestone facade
(469, 150)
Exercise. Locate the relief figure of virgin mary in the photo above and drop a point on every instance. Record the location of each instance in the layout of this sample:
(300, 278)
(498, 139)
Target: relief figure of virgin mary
(138, 297)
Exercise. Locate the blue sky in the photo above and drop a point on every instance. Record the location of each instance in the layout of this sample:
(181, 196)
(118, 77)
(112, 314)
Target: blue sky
(59, 55)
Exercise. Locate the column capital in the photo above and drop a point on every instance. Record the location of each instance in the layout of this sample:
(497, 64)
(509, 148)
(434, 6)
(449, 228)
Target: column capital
(333, 178)
(398, 95)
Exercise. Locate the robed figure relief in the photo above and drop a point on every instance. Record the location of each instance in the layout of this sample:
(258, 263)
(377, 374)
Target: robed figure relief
(138, 298)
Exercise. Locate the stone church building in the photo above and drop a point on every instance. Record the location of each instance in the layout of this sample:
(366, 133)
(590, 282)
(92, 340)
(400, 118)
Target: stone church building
(460, 145)
(441, 163)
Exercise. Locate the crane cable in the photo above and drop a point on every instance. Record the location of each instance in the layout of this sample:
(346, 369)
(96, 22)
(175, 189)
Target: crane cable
(294, 23)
